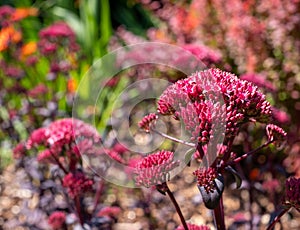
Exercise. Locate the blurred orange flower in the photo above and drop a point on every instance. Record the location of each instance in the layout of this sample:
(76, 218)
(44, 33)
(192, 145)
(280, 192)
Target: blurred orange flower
(21, 13)
(28, 49)
(8, 34)
(72, 85)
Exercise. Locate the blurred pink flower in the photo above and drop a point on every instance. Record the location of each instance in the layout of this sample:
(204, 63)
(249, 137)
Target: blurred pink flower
(77, 183)
(65, 137)
(57, 219)
(38, 91)
(58, 29)
(194, 227)
(57, 35)
(280, 116)
(5, 15)
(19, 151)
(259, 80)
(203, 53)
(112, 211)
(271, 185)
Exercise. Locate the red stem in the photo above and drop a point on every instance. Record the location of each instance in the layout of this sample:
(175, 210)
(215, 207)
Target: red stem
(59, 164)
(98, 194)
(219, 216)
(78, 210)
(236, 160)
(277, 218)
(178, 210)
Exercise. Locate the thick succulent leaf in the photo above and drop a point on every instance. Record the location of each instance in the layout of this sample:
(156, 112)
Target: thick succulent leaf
(237, 177)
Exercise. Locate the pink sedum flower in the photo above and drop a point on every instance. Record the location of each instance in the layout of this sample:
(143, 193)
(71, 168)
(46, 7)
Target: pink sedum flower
(57, 220)
(147, 121)
(37, 137)
(19, 151)
(65, 137)
(58, 29)
(276, 134)
(206, 177)
(77, 183)
(154, 169)
(213, 94)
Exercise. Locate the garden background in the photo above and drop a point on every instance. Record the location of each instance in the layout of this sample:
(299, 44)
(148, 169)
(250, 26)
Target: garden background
(47, 47)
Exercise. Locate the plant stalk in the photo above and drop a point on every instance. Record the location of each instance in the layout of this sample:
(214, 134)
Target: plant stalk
(178, 210)
(78, 210)
(219, 216)
(98, 194)
(277, 218)
(236, 160)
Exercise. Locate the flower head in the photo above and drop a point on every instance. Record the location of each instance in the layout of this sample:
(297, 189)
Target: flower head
(19, 151)
(57, 219)
(38, 91)
(154, 169)
(112, 211)
(206, 177)
(58, 29)
(147, 121)
(65, 137)
(5, 14)
(14, 72)
(276, 134)
(77, 183)
(28, 49)
(205, 95)
(292, 192)
(38, 137)
(46, 156)
(58, 34)
(9, 35)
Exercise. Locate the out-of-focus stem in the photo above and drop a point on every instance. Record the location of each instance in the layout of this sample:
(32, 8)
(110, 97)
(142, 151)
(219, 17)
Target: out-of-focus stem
(78, 210)
(277, 218)
(178, 210)
(219, 216)
(59, 164)
(98, 194)
(236, 160)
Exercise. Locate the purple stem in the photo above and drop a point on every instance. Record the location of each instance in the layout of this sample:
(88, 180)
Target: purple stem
(178, 210)
(236, 160)
(219, 216)
(78, 210)
(59, 164)
(277, 218)
(98, 194)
